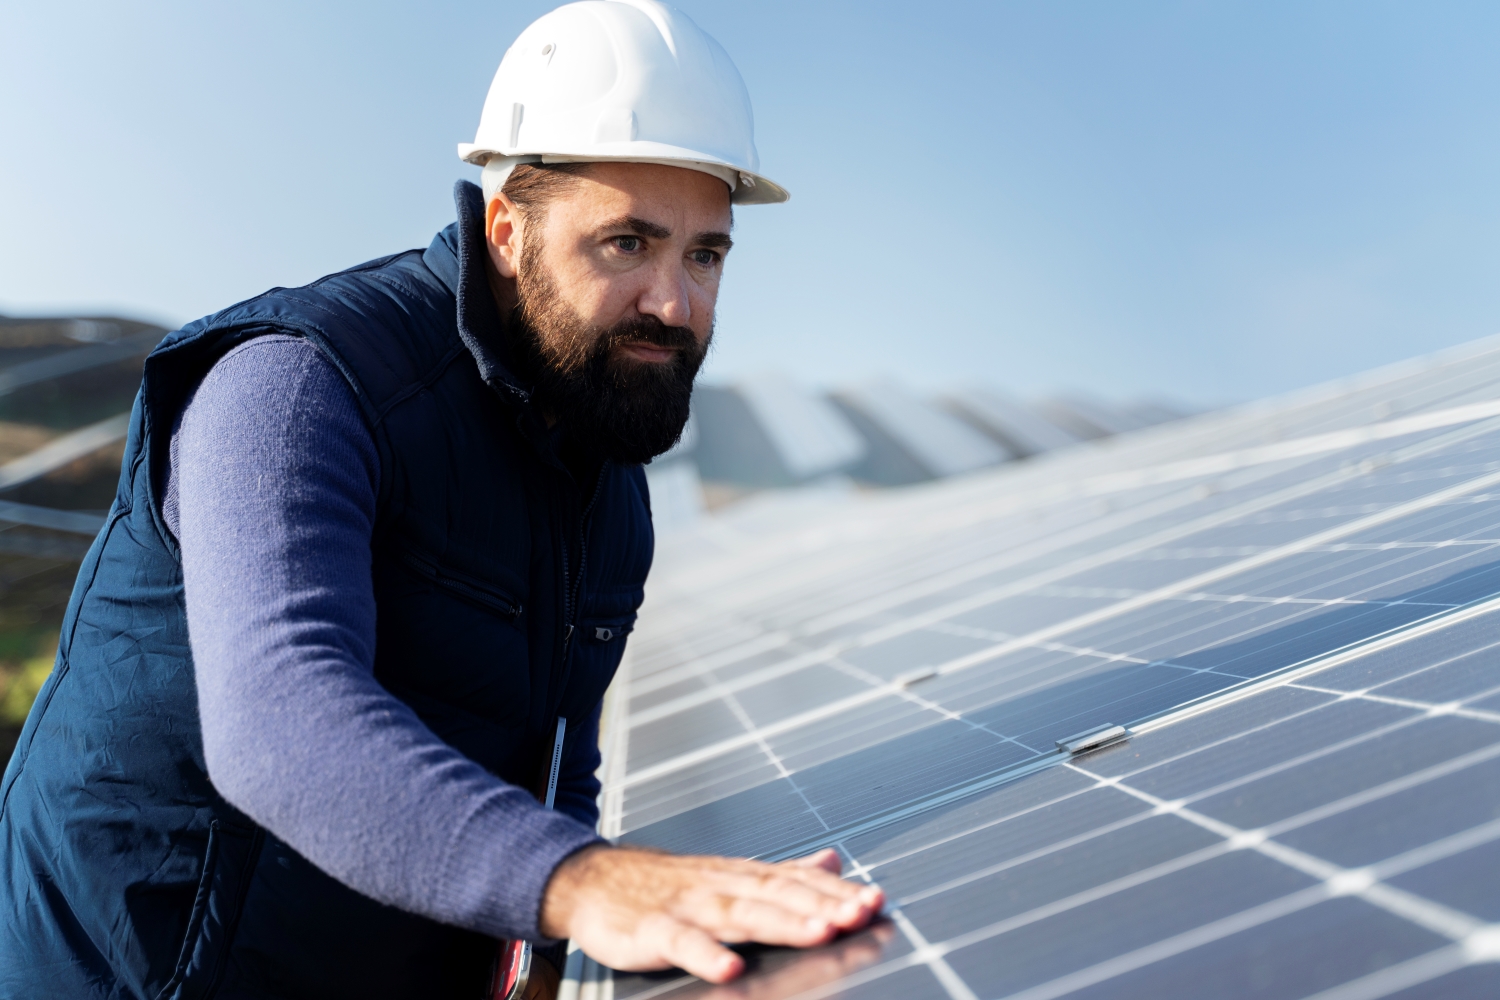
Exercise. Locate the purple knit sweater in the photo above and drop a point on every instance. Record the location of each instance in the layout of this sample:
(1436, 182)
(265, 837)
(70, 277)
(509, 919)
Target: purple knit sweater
(271, 494)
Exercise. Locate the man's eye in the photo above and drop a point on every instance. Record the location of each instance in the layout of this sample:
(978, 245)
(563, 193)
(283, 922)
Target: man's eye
(630, 244)
(705, 258)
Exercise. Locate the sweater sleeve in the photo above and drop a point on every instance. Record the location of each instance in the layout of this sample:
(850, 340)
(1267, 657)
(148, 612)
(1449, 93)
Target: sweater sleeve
(271, 493)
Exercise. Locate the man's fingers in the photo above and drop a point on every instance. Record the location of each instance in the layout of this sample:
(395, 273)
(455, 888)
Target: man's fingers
(737, 919)
(772, 886)
(811, 891)
(827, 859)
(821, 871)
(867, 899)
(694, 950)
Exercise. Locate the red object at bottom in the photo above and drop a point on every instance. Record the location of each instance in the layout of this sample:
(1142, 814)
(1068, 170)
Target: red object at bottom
(512, 970)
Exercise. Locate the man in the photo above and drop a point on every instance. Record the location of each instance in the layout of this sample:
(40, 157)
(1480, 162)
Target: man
(377, 543)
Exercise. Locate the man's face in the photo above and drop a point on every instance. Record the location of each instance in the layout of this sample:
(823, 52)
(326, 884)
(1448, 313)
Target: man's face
(616, 280)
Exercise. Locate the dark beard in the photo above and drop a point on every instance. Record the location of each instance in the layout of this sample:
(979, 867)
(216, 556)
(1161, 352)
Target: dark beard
(613, 406)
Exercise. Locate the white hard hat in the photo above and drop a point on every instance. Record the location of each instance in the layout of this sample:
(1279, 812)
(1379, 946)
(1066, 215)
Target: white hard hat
(631, 80)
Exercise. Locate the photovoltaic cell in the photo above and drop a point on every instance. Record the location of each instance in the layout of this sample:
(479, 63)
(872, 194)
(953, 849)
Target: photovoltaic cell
(1294, 606)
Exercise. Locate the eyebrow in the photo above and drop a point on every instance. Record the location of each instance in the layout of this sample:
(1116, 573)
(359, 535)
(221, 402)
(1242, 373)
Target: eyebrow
(716, 241)
(645, 227)
(637, 225)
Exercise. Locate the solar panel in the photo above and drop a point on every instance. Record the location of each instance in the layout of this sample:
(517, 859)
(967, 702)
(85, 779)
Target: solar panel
(809, 433)
(910, 439)
(1087, 418)
(1293, 607)
(768, 431)
(1020, 428)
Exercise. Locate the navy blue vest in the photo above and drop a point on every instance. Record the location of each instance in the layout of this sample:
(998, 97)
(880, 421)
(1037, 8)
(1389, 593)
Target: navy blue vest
(123, 873)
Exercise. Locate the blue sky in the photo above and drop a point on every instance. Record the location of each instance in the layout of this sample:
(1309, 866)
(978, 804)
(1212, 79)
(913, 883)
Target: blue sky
(1206, 201)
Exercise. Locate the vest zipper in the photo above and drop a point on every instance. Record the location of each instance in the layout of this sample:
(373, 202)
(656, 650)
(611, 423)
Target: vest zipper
(573, 588)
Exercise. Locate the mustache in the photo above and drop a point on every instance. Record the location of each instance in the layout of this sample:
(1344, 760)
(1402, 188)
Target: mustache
(650, 330)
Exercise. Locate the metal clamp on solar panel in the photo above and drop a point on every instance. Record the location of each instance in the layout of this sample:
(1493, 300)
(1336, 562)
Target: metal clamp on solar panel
(1092, 739)
(911, 677)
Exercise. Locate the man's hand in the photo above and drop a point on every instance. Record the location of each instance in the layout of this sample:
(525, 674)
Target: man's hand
(639, 910)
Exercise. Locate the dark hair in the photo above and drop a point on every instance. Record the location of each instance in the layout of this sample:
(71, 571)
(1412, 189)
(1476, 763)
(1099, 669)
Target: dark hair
(532, 185)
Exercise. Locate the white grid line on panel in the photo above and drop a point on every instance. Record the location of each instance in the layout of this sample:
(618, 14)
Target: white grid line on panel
(995, 635)
(1455, 708)
(765, 643)
(905, 693)
(1415, 387)
(1175, 945)
(781, 769)
(1403, 387)
(1303, 447)
(1222, 640)
(1097, 655)
(1416, 630)
(1105, 656)
(1401, 976)
(1222, 551)
(720, 689)
(1121, 593)
(788, 724)
(931, 957)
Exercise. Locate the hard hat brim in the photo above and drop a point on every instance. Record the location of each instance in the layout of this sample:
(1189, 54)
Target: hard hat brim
(760, 190)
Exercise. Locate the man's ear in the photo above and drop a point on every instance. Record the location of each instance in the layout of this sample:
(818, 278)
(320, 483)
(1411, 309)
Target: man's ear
(502, 231)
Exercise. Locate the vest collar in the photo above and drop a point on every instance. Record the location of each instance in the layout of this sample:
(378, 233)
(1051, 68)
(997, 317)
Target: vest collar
(458, 257)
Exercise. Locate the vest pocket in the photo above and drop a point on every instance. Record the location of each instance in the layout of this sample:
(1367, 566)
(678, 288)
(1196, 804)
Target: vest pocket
(471, 590)
(227, 864)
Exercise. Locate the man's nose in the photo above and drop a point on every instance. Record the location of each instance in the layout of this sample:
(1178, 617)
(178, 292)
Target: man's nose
(666, 298)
